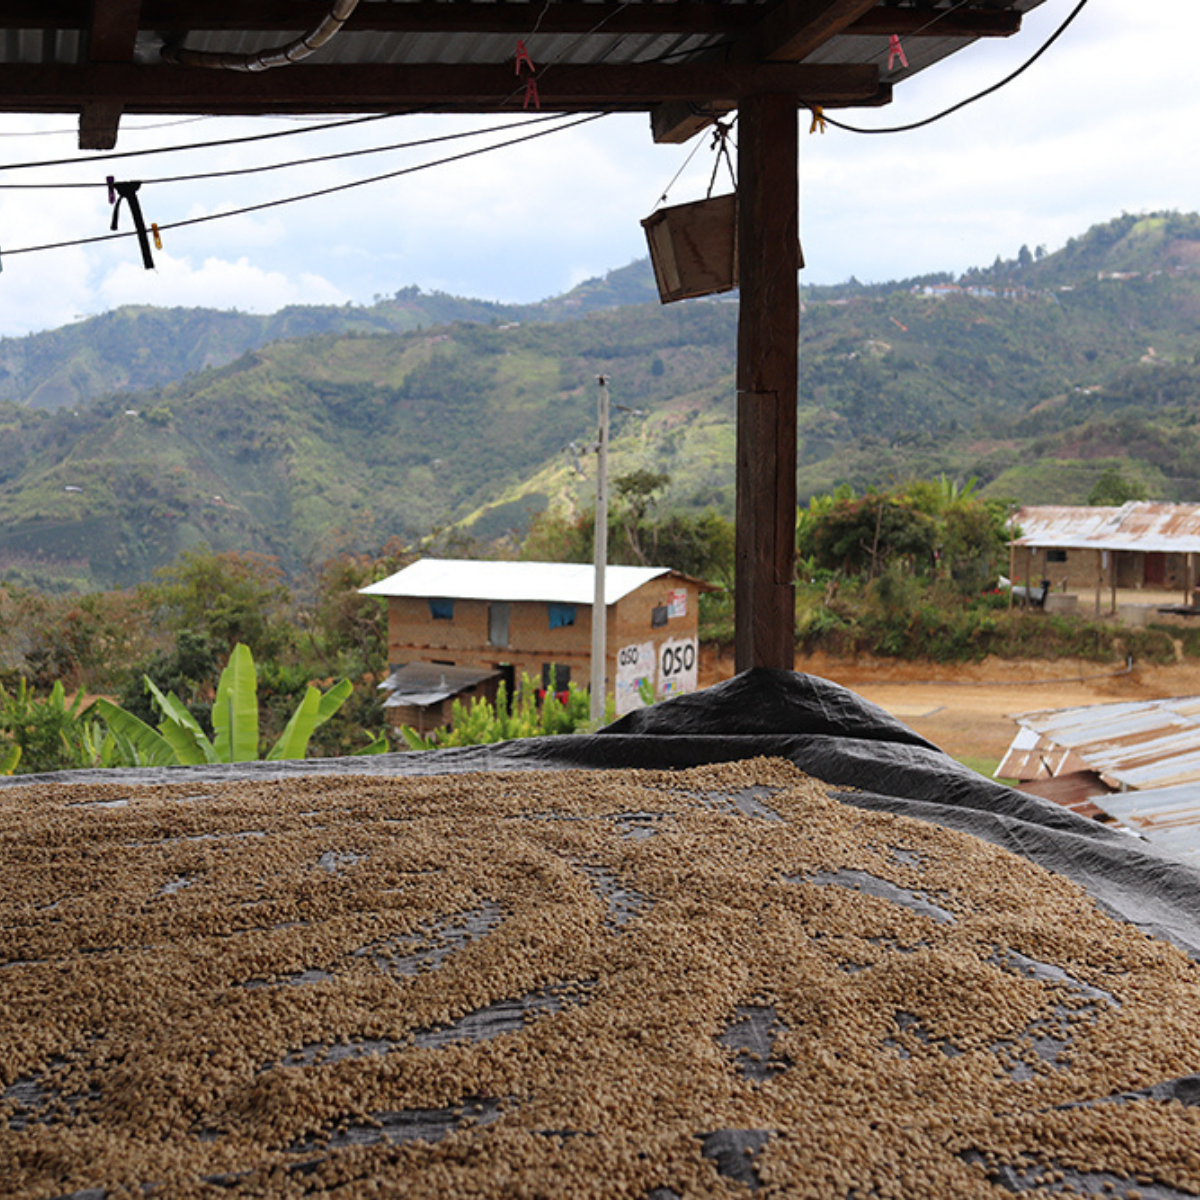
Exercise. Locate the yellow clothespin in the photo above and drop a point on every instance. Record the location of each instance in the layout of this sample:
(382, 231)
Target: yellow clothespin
(818, 120)
(157, 238)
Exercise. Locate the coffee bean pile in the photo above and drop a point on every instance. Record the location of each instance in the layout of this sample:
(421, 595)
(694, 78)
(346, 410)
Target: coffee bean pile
(609, 984)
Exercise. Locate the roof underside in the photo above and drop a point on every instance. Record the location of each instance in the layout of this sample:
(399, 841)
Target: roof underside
(683, 61)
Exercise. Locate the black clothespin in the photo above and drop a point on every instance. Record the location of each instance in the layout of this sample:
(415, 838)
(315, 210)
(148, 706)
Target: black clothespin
(128, 191)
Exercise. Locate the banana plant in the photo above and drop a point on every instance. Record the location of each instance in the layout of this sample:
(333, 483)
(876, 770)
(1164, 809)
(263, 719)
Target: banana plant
(180, 739)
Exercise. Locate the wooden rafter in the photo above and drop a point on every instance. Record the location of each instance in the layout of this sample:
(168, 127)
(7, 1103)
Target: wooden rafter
(112, 36)
(793, 29)
(487, 88)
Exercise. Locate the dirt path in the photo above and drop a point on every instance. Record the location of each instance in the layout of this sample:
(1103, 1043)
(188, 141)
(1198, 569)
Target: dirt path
(967, 708)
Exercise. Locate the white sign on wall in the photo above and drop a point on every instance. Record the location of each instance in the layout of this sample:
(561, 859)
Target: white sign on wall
(634, 664)
(677, 603)
(677, 666)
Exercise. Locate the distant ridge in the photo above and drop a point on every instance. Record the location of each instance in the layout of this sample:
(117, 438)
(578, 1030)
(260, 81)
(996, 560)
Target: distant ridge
(1036, 376)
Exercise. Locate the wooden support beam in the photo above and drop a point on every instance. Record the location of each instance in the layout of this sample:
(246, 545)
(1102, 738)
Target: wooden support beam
(486, 88)
(676, 122)
(112, 36)
(767, 376)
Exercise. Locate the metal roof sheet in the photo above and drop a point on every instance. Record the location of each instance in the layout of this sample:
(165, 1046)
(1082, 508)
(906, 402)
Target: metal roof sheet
(1140, 525)
(423, 684)
(1169, 817)
(562, 583)
(1138, 744)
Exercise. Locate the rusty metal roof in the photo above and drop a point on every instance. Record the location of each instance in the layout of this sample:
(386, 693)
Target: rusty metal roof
(1141, 744)
(1167, 817)
(1140, 525)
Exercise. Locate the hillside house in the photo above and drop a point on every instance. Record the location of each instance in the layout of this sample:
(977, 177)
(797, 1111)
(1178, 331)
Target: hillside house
(506, 620)
(1143, 545)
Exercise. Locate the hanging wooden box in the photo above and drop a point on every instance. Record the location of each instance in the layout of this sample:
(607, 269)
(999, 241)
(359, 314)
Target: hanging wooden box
(694, 248)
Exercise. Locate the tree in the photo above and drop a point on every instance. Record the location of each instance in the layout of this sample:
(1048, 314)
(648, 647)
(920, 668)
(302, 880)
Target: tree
(232, 597)
(1112, 489)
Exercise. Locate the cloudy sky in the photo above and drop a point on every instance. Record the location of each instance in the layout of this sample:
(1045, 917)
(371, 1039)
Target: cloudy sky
(1107, 121)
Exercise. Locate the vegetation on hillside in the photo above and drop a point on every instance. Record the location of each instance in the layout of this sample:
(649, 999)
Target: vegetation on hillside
(1035, 376)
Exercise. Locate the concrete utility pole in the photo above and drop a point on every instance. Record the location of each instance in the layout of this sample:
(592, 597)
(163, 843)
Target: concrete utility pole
(600, 558)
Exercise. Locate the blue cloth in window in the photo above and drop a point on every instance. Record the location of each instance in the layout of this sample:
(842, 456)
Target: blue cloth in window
(441, 610)
(561, 614)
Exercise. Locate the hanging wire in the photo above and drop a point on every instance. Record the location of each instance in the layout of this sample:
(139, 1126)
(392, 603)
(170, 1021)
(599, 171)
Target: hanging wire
(234, 141)
(720, 143)
(988, 91)
(298, 162)
(328, 191)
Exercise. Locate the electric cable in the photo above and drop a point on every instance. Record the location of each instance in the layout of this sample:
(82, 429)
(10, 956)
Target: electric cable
(327, 191)
(296, 162)
(236, 141)
(988, 91)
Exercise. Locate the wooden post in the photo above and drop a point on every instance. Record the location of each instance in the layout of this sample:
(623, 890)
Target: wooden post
(767, 378)
(1112, 578)
(1099, 579)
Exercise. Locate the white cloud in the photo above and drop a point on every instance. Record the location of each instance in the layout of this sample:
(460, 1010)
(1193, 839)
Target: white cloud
(218, 283)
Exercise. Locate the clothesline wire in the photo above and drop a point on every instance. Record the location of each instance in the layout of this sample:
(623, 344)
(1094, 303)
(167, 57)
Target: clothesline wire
(163, 227)
(296, 162)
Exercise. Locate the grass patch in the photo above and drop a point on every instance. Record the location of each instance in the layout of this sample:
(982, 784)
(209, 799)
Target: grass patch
(984, 766)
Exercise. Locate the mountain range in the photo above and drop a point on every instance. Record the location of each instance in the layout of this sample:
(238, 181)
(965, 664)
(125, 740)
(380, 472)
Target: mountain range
(129, 437)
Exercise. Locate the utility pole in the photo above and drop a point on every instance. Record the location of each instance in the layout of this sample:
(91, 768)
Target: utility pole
(600, 558)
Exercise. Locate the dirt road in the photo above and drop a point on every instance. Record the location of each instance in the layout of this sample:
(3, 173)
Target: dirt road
(967, 708)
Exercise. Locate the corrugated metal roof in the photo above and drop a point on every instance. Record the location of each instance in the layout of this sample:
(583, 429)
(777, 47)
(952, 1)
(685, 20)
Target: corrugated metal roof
(1168, 817)
(1137, 744)
(464, 579)
(464, 46)
(1139, 525)
(423, 684)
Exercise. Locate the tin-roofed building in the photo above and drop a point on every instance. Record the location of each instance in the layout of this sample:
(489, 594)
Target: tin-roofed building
(531, 619)
(1143, 545)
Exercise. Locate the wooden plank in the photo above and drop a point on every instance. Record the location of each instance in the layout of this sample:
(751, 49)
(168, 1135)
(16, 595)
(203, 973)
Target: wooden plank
(793, 29)
(487, 88)
(112, 36)
(940, 22)
(767, 375)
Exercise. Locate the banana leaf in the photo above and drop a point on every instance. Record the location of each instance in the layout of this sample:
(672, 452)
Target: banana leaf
(235, 709)
(149, 746)
(314, 710)
(181, 729)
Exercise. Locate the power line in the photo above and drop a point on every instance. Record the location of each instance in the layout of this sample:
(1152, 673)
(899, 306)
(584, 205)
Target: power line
(328, 191)
(295, 162)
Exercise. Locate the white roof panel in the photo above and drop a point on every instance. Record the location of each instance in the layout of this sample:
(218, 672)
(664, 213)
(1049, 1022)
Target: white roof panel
(466, 579)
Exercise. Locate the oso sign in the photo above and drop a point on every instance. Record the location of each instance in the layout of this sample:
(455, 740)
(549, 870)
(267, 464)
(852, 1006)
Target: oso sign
(677, 666)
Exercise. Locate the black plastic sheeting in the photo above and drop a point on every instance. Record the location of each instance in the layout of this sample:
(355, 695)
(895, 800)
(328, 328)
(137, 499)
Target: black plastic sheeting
(836, 736)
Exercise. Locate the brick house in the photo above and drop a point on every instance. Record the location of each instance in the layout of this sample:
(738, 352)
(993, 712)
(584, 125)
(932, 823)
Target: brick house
(515, 619)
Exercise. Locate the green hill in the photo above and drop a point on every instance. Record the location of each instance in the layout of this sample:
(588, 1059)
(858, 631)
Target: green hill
(429, 411)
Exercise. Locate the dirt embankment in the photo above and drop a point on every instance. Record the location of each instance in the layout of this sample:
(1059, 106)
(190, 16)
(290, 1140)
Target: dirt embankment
(967, 708)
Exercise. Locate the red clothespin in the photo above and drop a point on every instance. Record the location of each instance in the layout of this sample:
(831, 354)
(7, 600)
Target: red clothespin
(895, 50)
(112, 190)
(523, 58)
(531, 93)
(157, 238)
(818, 120)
